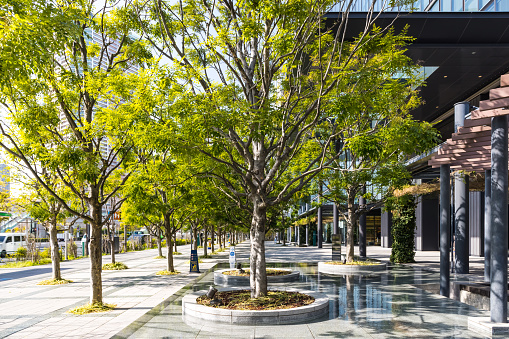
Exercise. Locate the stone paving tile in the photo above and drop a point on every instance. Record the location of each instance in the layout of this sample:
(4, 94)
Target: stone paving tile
(138, 290)
(283, 331)
(135, 291)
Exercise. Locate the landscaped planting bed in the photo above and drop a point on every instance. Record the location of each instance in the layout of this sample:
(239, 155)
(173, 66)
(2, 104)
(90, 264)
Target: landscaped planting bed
(241, 300)
(285, 306)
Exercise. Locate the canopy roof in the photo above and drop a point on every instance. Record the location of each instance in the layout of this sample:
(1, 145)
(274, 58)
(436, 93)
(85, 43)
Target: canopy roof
(470, 148)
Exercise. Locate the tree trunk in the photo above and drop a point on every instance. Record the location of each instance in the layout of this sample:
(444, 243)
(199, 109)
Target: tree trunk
(195, 239)
(212, 235)
(55, 257)
(258, 276)
(111, 236)
(206, 241)
(219, 237)
(169, 246)
(159, 249)
(125, 238)
(96, 293)
(350, 224)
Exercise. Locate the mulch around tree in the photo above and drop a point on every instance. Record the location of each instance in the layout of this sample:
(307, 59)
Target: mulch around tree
(241, 300)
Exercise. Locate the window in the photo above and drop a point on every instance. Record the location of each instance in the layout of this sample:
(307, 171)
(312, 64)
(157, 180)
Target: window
(471, 5)
(457, 5)
(9, 239)
(2, 238)
(502, 6)
(17, 238)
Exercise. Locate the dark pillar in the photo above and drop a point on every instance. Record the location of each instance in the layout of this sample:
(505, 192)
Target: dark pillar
(462, 247)
(362, 225)
(487, 225)
(498, 291)
(335, 218)
(319, 228)
(386, 229)
(445, 227)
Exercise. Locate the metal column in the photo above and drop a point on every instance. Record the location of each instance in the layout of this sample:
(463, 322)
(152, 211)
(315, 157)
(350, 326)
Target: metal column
(362, 226)
(461, 222)
(461, 213)
(307, 235)
(335, 218)
(487, 225)
(498, 289)
(445, 227)
(319, 228)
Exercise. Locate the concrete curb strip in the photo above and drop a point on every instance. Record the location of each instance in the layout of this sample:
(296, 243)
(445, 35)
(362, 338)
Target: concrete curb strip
(225, 280)
(350, 269)
(192, 312)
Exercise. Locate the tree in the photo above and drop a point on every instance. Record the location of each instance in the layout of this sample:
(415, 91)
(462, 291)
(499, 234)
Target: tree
(44, 208)
(253, 77)
(158, 194)
(374, 133)
(72, 98)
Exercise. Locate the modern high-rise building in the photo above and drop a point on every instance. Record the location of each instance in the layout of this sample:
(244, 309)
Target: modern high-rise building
(463, 47)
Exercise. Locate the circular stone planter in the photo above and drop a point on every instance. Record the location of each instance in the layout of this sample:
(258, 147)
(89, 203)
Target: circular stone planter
(194, 313)
(229, 280)
(350, 269)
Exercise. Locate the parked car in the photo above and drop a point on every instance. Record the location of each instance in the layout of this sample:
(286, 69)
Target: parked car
(10, 242)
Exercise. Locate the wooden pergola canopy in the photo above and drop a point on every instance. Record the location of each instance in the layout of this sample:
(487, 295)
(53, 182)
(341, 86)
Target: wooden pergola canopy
(470, 148)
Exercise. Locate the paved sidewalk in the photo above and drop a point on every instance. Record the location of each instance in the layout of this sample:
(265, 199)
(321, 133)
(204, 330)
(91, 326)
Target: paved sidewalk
(426, 260)
(32, 311)
(385, 305)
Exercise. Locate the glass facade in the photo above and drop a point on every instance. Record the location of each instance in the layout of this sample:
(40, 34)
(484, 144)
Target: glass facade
(430, 6)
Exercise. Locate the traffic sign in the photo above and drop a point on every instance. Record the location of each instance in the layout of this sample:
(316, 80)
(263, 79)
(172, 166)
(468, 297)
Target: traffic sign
(232, 257)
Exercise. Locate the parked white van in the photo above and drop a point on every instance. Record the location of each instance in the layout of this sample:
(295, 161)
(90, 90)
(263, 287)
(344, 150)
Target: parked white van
(10, 242)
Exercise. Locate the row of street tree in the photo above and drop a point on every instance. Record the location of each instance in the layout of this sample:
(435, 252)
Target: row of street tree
(203, 113)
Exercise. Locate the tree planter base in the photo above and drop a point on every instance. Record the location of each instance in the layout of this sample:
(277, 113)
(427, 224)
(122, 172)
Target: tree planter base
(194, 313)
(350, 269)
(232, 280)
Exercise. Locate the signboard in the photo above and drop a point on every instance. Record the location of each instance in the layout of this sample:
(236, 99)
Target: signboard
(336, 247)
(193, 264)
(232, 257)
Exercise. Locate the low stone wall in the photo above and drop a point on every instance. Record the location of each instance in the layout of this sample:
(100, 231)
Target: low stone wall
(194, 313)
(350, 269)
(232, 280)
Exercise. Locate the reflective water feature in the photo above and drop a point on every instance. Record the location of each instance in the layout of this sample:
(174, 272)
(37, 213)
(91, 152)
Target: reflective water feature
(382, 305)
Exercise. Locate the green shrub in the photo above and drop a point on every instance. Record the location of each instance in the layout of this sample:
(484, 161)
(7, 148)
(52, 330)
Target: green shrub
(26, 263)
(403, 229)
(21, 253)
(46, 253)
(115, 266)
(92, 308)
(181, 242)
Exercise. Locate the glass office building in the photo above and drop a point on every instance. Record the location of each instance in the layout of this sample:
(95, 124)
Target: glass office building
(435, 6)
